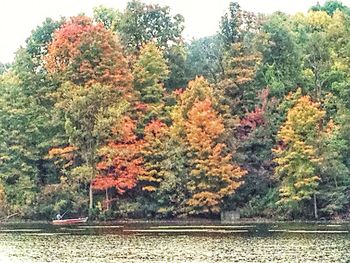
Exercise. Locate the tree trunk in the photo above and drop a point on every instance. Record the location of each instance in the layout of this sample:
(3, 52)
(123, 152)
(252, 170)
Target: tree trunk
(91, 196)
(315, 206)
(107, 199)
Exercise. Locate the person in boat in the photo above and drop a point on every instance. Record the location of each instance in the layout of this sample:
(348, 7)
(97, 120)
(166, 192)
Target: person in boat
(58, 216)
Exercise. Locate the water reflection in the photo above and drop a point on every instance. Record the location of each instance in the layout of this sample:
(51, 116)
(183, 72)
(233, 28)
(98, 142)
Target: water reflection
(175, 243)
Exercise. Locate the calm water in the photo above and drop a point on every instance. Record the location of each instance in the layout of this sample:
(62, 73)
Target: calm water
(175, 243)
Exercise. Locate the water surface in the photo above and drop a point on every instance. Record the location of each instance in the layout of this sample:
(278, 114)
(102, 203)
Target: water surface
(175, 242)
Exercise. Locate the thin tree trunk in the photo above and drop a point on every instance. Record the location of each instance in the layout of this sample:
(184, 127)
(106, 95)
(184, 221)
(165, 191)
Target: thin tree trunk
(336, 183)
(315, 206)
(88, 162)
(107, 199)
(91, 196)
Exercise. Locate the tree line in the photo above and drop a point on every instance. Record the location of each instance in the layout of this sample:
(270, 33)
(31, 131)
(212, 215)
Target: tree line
(117, 116)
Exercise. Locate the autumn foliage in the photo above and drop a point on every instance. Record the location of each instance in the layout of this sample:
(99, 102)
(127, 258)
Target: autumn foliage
(121, 161)
(296, 155)
(154, 126)
(155, 134)
(213, 174)
(86, 53)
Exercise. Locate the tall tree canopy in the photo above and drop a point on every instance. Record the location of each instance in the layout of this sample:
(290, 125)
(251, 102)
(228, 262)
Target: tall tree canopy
(84, 53)
(141, 23)
(297, 155)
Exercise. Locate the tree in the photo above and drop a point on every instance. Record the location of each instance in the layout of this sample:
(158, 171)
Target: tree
(171, 193)
(213, 176)
(3, 68)
(39, 40)
(29, 125)
(141, 23)
(121, 163)
(236, 23)
(85, 53)
(240, 62)
(150, 71)
(18, 155)
(153, 155)
(205, 58)
(159, 180)
(237, 89)
(89, 57)
(109, 17)
(255, 135)
(318, 62)
(330, 7)
(176, 60)
(90, 113)
(281, 61)
(197, 90)
(335, 182)
(319, 66)
(66, 192)
(297, 153)
(230, 24)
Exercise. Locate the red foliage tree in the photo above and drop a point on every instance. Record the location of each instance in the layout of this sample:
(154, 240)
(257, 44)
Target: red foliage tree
(86, 53)
(253, 119)
(121, 162)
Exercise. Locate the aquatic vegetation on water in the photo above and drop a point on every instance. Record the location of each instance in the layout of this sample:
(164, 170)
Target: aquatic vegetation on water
(176, 243)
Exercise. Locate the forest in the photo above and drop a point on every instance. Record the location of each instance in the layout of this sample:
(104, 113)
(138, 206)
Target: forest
(118, 116)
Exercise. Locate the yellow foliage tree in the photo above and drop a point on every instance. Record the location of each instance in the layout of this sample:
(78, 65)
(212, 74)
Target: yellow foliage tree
(296, 154)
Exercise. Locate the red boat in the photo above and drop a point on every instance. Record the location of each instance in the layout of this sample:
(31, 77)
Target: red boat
(71, 221)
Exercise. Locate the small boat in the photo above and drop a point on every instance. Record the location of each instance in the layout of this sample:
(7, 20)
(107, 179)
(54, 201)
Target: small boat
(71, 221)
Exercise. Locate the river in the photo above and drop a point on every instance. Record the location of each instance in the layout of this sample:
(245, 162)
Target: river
(175, 242)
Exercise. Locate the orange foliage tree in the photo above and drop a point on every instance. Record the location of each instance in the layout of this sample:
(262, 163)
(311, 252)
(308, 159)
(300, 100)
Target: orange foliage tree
(155, 134)
(63, 156)
(213, 175)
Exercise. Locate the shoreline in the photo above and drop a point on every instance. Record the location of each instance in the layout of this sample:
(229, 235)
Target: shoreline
(186, 221)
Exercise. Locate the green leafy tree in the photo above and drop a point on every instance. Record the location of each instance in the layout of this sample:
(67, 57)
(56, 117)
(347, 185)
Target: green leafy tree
(90, 113)
(109, 17)
(39, 40)
(335, 182)
(230, 24)
(331, 6)
(3, 68)
(150, 71)
(205, 58)
(29, 123)
(18, 154)
(141, 23)
(176, 60)
(281, 57)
